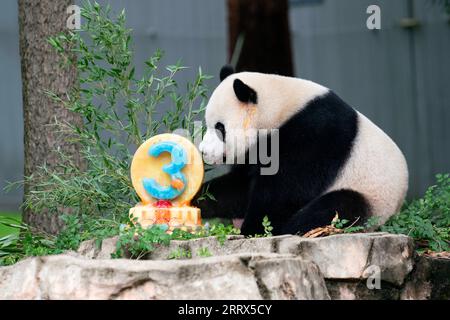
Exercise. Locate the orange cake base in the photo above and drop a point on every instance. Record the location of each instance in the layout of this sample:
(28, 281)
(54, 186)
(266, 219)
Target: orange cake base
(185, 217)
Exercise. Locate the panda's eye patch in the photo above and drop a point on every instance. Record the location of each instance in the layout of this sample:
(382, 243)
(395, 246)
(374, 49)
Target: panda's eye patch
(221, 129)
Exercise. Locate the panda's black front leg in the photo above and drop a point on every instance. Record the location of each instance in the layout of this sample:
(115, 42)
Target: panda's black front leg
(230, 193)
(259, 205)
(257, 210)
(269, 196)
(250, 226)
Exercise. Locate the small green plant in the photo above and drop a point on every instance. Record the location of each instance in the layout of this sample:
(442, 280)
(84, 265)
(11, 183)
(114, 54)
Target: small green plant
(352, 228)
(180, 253)
(205, 194)
(136, 242)
(220, 231)
(339, 223)
(427, 219)
(179, 234)
(204, 252)
(267, 227)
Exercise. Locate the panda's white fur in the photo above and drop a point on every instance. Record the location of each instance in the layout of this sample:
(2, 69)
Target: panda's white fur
(376, 167)
(279, 98)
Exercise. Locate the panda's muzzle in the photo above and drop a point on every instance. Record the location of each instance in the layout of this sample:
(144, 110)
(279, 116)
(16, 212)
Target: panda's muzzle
(212, 148)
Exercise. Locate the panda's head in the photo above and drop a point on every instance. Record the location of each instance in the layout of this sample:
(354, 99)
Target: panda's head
(246, 102)
(231, 117)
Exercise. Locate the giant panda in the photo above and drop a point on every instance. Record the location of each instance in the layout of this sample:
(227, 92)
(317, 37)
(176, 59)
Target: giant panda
(332, 159)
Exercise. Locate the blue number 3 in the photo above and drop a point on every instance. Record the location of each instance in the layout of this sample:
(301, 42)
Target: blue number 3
(178, 180)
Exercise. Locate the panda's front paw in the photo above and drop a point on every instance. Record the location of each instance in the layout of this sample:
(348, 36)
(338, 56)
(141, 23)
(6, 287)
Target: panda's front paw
(212, 148)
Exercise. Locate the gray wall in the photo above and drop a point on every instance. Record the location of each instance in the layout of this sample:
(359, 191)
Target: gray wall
(11, 127)
(397, 77)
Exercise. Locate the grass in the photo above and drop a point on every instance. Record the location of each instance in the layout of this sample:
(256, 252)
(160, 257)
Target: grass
(6, 230)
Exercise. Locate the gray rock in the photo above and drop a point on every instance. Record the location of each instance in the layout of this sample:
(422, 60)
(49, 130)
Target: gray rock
(284, 267)
(430, 279)
(355, 256)
(92, 250)
(289, 279)
(394, 255)
(343, 256)
(358, 290)
(19, 281)
(233, 245)
(224, 277)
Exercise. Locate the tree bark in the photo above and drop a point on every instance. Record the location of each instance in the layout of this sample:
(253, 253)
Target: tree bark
(41, 71)
(264, 25)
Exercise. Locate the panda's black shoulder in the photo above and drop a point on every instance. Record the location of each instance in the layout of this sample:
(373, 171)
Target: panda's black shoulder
(315, 144)
(323, 117)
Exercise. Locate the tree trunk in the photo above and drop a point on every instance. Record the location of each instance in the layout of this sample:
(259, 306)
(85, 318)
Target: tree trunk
(264, 26)
(41, 71)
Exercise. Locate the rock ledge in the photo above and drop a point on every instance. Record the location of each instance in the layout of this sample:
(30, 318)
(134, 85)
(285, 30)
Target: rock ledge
(345, 266)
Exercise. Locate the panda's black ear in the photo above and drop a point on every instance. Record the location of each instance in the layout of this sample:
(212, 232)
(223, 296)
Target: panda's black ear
(244, 93)
(226, 71)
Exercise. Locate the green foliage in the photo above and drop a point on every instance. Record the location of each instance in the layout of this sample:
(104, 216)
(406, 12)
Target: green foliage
(204, 252)
(205, 194)
(133, 242)
(120, 110)
(180, 253)
(338, 223)
(136, 242)
(426, 219)
(4, 230)
(18, 245)
(79, 228)
(27, 242)
(343, 225)
(220, 231)
(267, 226)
